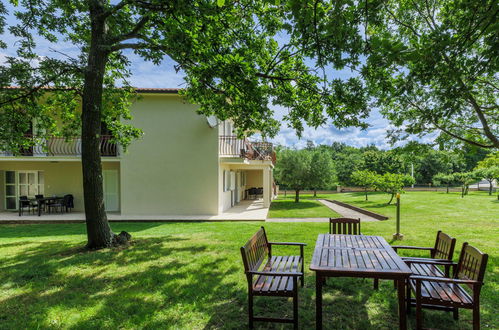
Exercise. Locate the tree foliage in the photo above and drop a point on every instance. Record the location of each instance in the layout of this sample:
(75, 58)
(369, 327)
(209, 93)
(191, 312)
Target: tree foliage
(366, 179)
(393, 183)
(432, 66)
(293, 170)
(322, 173)
(443, 178)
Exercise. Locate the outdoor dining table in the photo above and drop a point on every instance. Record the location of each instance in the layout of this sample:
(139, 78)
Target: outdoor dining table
(45, 200)
(358, 256)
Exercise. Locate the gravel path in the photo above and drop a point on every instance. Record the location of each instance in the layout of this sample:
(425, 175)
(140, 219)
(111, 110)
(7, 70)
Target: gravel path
(346, 212)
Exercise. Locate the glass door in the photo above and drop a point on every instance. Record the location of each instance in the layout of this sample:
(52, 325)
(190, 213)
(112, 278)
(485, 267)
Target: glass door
(10, 190)
(28, 183)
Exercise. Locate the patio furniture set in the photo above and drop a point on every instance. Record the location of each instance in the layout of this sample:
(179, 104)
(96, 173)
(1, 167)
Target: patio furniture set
(48, 204)
(345, 252)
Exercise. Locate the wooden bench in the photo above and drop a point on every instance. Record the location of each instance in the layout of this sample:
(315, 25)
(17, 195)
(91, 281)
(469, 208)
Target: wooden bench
(446, 293)
(270, 275)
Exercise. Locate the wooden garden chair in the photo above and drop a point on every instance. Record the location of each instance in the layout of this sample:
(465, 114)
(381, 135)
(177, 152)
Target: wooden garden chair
(446, 293)
(269, 275)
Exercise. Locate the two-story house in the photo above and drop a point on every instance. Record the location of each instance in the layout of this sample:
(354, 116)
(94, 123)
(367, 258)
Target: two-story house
(184, 165)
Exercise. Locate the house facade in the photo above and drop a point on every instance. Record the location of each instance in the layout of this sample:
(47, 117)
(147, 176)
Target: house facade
(185, 164)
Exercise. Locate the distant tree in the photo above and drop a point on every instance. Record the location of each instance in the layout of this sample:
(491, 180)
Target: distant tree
(347, 160)
(381, 161)
(490, 174)
(293, 170)
(365, 179)
(465, 179)
(321, 171)
(393, 183)
(489, 169)
(310, 145)
(443, 178)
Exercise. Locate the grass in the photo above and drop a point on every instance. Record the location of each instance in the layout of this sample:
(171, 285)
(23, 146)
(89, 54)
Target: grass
(305, 208)
(189, 275)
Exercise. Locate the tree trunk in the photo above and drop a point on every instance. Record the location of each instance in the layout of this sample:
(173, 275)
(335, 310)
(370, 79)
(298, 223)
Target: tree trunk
(447, 188)
(391, 199)
(462, 192)
(297, 196)
(490, 188)
(315, 192)
(99, 233)
(365, 190)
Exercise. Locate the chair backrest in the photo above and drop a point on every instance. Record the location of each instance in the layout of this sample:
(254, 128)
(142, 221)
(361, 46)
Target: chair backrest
(38, 196)
(471, 264)
(346, 226)
(255, 251)
(68, 201)
(444, 246)
(23, 201)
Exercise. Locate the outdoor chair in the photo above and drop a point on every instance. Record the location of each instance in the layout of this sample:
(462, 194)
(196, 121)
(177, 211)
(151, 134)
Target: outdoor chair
(278, 277)
(39, 203)
(68, 202)
(24, 203)
(56, 204)
(252, 193)
(446, 293)
(442, 251)
(347, 226)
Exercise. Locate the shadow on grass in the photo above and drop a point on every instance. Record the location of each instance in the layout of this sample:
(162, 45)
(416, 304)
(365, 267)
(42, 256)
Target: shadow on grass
(50, 281)
(172, 282)
(41, 230)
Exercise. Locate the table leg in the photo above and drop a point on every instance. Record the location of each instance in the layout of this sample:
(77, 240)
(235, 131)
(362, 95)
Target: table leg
(318, 301)
(402, 310)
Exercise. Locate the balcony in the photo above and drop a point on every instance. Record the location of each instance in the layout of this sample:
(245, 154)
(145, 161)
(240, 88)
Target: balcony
(62, 147)
(231, 146)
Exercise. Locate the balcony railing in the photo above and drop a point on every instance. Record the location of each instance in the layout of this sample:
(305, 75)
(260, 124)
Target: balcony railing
(231, 146)
(59, 146)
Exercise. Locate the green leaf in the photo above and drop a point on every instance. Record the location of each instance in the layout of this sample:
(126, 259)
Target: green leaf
(220, 3)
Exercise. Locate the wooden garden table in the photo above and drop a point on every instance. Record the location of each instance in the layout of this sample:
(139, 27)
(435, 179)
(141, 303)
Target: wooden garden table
(358, 256)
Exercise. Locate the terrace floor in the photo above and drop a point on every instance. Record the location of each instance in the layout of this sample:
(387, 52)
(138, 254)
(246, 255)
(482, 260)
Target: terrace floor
(246, 210)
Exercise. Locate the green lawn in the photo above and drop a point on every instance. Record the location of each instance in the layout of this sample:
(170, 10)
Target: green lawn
(305, 208)
(189, 275)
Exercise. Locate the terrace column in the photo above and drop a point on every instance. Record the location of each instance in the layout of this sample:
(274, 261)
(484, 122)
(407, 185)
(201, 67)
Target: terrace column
(267, 187)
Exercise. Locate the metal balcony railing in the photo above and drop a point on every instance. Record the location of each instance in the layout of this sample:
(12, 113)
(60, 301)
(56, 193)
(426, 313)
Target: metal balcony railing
(232, 146)
(59, 146)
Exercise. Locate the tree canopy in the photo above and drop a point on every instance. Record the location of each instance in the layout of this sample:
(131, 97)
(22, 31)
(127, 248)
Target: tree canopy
(432, 66)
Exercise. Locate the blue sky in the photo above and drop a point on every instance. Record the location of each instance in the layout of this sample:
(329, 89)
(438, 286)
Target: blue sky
(145, 74)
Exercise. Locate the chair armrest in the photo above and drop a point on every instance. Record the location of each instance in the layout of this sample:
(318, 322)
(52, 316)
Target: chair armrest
(288, 243)
(275, 273)
(406, 247)
(441, 262)
(422, 260)
(444, 280)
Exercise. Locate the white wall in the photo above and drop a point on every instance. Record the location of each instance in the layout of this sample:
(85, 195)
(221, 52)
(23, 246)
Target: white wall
(173, 169)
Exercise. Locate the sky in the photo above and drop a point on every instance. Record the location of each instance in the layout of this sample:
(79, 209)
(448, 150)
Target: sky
(146, 74)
